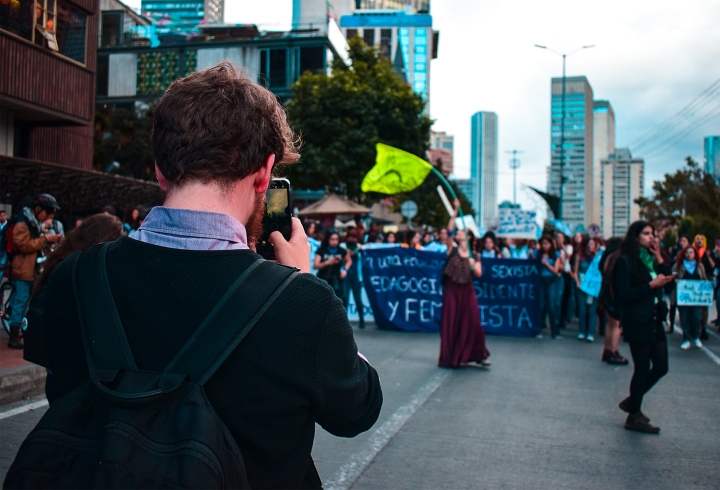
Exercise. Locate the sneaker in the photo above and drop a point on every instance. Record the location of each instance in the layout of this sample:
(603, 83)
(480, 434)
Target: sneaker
(590, 338)
(638, 422)
(685, 345)
(558, 337)
(581, 336)
(697, 343)
(539, 336)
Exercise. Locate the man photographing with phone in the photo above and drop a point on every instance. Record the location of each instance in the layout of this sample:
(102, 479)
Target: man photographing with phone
(217, 136)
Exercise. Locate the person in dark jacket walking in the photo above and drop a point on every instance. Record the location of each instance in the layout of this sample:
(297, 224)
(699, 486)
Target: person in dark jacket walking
(640, 274)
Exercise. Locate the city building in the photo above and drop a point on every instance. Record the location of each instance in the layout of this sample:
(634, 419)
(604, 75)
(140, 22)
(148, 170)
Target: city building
(603, 147)
(484, 167)
(122, 26)
(467, 187)
(407, 39)
(184, 15)
(711, 152)
(417, 5)
(47, 109)
(623, 180)
(573, 150)
(441, 148)
(136, 75)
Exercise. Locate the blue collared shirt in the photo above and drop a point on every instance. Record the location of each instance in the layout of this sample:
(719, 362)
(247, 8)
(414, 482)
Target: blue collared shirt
(191, 230)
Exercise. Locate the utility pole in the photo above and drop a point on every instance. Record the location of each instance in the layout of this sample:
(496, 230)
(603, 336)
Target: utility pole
(514, 165)
(562, 125)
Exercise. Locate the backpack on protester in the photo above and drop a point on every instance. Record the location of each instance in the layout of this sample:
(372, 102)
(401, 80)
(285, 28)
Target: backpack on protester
(128, 428)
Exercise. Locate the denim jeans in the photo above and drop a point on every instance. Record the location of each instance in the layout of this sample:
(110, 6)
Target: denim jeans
(587, 311)
(352, 284)
(551, 298)
(690, 317)
(19, 301)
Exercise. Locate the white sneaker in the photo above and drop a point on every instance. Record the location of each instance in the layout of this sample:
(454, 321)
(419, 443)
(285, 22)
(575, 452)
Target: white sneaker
(697, 343)
(581, 336)
(539, 336)
(685, 345)
(590, 338)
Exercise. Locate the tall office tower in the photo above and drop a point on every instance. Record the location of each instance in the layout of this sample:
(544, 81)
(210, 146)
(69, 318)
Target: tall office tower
(573, 149)
(484, 167)
(623, 180)
(407, 39)
(441, 148)
(418, 5)
(603, 147)
(712, 156)
(181, 16)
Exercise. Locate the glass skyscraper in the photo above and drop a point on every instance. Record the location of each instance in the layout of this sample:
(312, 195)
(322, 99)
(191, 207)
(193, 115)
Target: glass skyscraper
(484, 167)
(572, 150)
(185, 14)
(711, 149)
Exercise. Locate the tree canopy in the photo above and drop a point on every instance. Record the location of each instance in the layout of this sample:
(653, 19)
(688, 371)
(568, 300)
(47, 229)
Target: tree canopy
(341, 117)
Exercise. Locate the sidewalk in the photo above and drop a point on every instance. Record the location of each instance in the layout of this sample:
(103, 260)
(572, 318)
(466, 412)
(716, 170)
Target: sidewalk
(18, 378)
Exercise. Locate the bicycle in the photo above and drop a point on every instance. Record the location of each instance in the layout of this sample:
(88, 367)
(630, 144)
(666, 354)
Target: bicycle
(6, 293)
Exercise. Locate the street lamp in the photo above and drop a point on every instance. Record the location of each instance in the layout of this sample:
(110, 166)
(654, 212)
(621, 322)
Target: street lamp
(514, 165)
(562, 123)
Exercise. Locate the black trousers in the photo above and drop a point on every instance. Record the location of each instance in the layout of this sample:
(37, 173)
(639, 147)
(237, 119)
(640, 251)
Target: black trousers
(353, 284)
(651, 364)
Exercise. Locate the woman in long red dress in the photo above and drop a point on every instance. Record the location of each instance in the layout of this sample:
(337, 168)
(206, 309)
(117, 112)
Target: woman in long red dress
(462, 338)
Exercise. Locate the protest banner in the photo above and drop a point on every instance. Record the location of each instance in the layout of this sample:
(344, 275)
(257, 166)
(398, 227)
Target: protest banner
(516, 223)
(403, 288)
(405, 293)
(592, 280)
(509, 295)
(694, 293)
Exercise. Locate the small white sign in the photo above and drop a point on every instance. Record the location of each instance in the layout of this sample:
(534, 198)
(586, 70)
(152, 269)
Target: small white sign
(694, 293)
(516, 223)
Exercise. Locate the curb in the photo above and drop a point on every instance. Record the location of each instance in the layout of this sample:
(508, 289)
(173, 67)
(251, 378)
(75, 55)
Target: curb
(20, 382)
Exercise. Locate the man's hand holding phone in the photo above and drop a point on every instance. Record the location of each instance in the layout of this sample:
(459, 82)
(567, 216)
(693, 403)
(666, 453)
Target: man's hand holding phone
(296, 251)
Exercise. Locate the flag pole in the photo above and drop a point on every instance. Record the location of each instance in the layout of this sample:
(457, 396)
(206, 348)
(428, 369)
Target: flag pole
(447, 185)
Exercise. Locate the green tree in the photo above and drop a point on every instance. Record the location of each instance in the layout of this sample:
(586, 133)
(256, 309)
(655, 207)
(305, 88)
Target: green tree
(689, 192)
(342, 116)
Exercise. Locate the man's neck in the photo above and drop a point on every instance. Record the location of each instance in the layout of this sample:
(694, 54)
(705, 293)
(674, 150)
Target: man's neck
(236, 201)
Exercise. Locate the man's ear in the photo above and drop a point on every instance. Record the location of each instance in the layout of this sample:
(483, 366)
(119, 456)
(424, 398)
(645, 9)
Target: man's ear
(263, 176)
(162, 181)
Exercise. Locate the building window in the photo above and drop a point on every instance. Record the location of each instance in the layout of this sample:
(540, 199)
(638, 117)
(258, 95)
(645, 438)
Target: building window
(385, 42)
(273, 68)
(53, 24)
(312, 60)
(351, 33)
(102, 74)
(369, 36)
(111, 30)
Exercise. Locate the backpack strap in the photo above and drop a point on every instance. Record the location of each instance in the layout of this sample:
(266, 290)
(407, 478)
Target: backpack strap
(106, 346)
(237, 312)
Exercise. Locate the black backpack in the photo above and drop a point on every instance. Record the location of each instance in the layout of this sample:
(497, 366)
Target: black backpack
(127, 428)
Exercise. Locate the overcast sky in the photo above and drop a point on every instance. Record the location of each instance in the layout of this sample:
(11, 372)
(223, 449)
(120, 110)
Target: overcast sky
(652, 57)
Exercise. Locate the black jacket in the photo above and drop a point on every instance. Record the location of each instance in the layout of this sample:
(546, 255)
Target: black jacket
(298, 366)
(637, 303)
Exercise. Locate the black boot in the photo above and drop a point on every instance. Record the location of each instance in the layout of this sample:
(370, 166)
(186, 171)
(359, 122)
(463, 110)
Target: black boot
(16, 338)
(638, 422)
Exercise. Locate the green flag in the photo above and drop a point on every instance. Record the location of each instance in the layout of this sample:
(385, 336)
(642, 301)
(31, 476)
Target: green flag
(395, 171)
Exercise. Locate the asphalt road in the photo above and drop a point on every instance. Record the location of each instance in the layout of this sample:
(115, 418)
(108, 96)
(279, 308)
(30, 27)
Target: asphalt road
(544, 415)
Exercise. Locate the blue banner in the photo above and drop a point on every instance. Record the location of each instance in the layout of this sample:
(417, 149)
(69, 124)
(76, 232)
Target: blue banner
(405, 293)
(509, 295)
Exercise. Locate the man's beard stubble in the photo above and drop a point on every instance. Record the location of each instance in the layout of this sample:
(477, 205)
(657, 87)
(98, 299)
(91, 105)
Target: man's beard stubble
(254, 226)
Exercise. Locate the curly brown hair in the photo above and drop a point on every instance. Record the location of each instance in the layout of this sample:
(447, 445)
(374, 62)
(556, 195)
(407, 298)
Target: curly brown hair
(98, 228)
(218, 125)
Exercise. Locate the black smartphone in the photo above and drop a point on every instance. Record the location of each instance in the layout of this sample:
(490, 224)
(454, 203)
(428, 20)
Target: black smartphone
(278, 216)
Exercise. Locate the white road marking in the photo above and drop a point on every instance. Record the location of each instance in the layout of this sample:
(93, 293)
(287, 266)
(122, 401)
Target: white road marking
(707, 351)
(348, 473)
(24, 408)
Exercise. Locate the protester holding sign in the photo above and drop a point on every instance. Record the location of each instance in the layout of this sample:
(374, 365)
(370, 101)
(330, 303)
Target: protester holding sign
(704, 258)
(640, 275)
(490, 249)
(462, 338)
(332, 261)
(552, 266)
(587, 303)
(689, 268)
